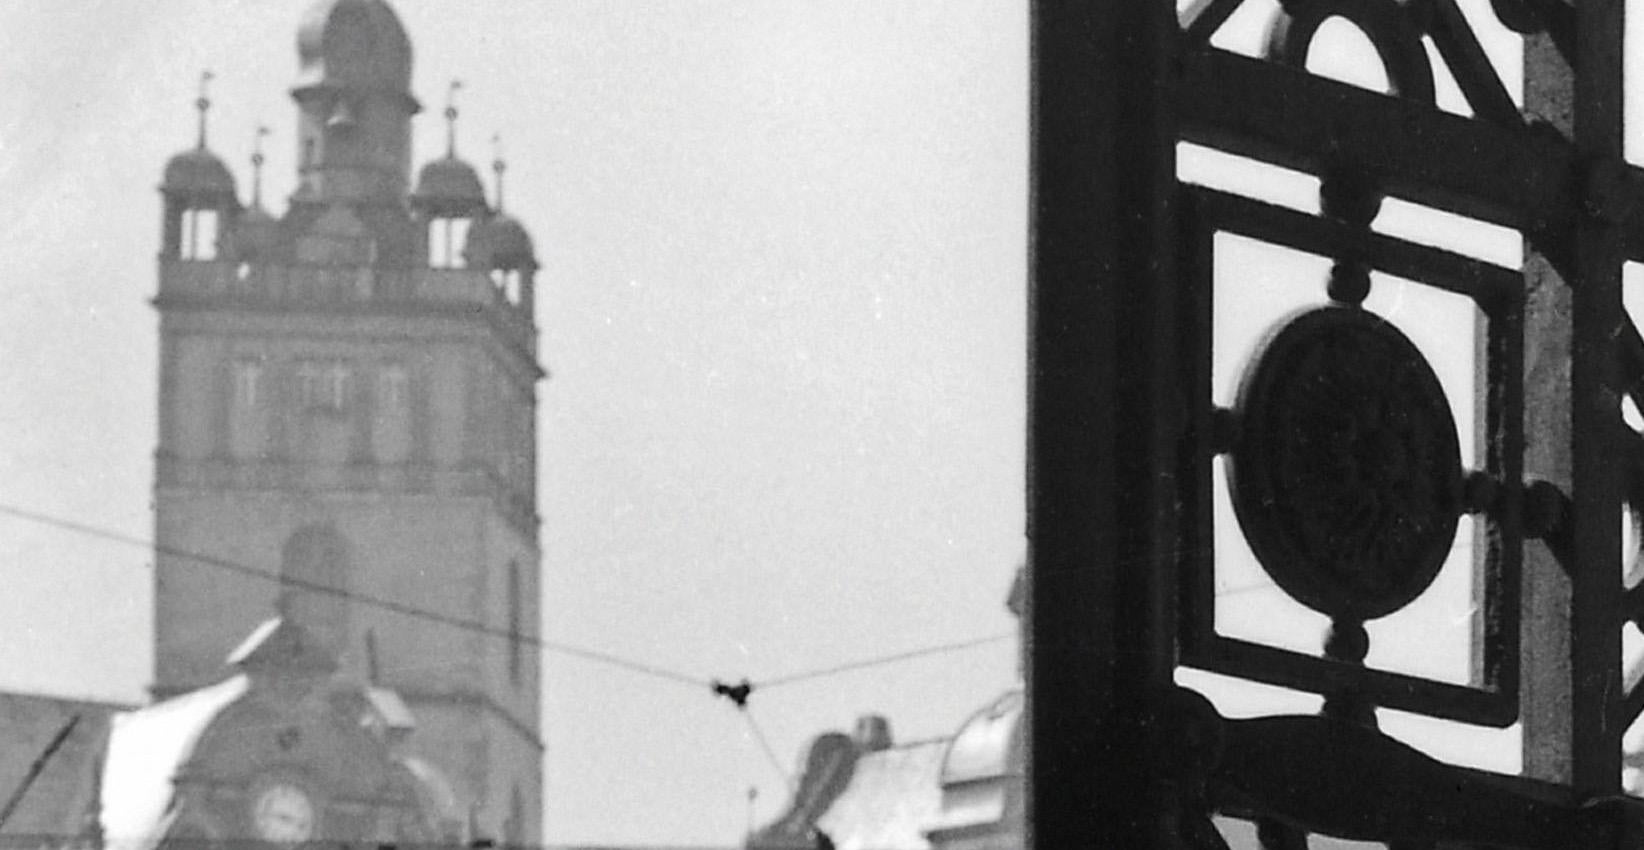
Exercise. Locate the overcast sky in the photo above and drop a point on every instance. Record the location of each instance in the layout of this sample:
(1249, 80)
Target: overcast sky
(782, 303)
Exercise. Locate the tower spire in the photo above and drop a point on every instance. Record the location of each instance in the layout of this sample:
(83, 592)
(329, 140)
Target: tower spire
(498, 166)
(257, 167)
(203, 104)
(451, 119)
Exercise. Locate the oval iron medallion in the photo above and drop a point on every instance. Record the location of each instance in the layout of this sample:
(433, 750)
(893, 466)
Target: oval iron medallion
(1346, 474)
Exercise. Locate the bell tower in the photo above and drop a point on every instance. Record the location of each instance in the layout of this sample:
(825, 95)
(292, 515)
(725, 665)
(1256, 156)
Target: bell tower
(347, 415)
(354, 104)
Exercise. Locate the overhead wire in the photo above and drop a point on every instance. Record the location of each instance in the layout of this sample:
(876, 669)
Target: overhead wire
(765, 745)
(882, 660)
(362, 598)
(738, 694)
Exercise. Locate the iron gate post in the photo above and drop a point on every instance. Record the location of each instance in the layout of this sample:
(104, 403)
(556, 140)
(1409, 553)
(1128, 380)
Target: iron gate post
(1572, 686)
(1104, 420)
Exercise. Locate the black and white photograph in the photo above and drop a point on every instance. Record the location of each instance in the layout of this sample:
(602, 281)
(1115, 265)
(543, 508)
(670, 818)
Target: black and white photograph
(822, 425)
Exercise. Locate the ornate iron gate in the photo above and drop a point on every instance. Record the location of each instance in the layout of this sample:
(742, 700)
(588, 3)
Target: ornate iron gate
(1342, 454)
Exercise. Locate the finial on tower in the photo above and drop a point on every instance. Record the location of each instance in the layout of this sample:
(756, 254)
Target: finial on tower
(203, 104)
(451, 119)
(257, 166)
(498, 166)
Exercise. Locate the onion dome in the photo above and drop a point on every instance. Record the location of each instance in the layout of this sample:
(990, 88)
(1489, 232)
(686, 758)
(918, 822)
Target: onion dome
(449, 187)
(353, 44)
(989, 745)
(981, 775)
(500, 242)
(509, 245)
(197, 177)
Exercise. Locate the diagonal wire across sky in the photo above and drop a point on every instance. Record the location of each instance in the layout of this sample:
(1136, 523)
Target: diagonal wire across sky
(573, 650)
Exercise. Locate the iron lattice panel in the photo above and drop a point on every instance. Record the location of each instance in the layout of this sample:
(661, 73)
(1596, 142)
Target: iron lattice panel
(1498, 294)
(1124, 257)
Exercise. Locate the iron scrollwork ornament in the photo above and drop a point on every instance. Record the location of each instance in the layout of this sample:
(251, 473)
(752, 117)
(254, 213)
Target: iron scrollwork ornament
(1346, 473)
(1388, 25)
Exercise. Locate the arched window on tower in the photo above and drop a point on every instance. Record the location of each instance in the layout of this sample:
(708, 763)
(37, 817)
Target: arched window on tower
(516, 651)
(199, 196)
(248, 419)
(248, 383)
(510, 283)
(313, 583)
(391, 420)
(446, 238)
(200, 234)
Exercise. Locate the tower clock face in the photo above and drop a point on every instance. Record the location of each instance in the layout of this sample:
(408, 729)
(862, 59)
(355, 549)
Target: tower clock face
(283, 813)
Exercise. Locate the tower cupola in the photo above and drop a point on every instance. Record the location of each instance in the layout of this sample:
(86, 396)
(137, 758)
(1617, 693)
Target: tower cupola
(354, 100)
(502, 246)
(449, 197)
(449, 186)
(341, 415)
(199, 194)
(198, 176)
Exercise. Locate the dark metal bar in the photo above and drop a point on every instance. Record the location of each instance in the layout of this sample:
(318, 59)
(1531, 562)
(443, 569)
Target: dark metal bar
(1103, 425)
(1470, 65)
(1545, 697)
(1507, 176)
(1626, 194)
(1632, 705)
(1573, 320)
(1458, 273)
(1354, 782)
(1629, 445)
(1499, 586)
(1283, 668)
(1201, 20)
(1595, 643)
(1630, 365)
(1207, 427)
